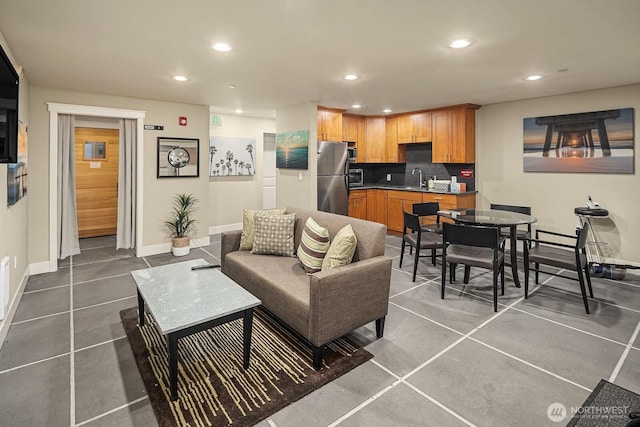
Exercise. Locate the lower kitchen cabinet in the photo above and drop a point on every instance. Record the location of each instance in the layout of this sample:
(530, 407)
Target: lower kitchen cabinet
(377, 205)
(358, 204)
(386, 206)
(397, 201)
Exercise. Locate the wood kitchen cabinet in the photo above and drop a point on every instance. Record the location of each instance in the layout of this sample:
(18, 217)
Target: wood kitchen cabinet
(454, 135)
(358, 204)
(397, 201)
(450, 201)
(361, 142)
(350, 128)
(329, 124)
(377, 205)
(394, 153)
(414, 128)
(375, 139)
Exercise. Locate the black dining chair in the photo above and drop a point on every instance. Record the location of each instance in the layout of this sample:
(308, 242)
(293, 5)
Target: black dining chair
(561, 255)
(473, 246)
(521, 234)
(417, 239)
(429, 210)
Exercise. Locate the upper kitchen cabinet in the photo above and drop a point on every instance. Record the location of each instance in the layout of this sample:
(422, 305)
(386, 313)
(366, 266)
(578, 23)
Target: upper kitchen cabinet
(375, 139)
(414, 128)
(454, 135)
(393, 152)
(350, 127)
(330, 124)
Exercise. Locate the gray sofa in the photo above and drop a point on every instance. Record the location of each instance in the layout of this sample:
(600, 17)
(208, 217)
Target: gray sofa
(325, 305)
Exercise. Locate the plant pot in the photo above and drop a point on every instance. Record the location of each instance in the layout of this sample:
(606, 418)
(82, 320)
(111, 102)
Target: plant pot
(180, 246)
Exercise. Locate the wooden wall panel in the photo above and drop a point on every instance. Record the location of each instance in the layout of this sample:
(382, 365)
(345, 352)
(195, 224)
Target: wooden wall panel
(97, 188)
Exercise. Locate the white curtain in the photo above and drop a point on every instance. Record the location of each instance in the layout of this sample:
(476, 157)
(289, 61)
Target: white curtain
(68, 242)
(126, 231)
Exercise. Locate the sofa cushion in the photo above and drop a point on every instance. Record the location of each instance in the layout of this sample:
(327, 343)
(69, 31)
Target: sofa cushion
(314, 244)
(248, 225)
(274, 234)
(342, 248)
(279, 282)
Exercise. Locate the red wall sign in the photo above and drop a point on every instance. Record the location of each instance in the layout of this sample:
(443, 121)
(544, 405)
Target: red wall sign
(466, 173)
(182, 120)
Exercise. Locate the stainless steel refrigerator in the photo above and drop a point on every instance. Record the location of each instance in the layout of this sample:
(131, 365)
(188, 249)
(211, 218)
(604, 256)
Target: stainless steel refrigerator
(333, 179)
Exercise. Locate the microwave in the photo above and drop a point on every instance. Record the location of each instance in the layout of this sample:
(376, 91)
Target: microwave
(352, 154)
(356, 177)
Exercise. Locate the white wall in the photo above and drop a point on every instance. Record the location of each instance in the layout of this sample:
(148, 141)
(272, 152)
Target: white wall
(297, 187)
(553, 196)
(229, 195)
(13, 219)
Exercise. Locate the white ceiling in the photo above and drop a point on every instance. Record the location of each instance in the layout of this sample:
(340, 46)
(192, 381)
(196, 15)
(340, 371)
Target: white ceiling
(287, 52)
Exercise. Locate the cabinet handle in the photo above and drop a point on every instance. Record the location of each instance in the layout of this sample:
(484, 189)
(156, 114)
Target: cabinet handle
(438, 198)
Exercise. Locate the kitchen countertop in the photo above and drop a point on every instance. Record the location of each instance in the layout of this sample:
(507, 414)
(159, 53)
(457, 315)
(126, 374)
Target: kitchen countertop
(405, 188)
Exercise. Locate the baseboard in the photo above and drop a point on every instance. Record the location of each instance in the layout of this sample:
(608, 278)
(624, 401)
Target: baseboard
(164, 248)
(5, 323)
(228, 227)
(39, 268)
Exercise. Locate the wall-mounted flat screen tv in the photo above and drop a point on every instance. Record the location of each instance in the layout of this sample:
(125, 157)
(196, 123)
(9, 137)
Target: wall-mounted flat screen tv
(9, 82)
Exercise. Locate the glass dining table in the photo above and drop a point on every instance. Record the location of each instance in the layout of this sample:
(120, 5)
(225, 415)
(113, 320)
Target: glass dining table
(494, 218)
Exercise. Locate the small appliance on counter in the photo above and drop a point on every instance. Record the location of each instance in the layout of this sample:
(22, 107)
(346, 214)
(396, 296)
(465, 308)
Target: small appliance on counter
(356, 177)
(441, 185)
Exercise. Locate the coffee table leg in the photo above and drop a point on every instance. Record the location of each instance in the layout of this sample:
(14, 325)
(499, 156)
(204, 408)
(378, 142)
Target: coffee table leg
(513, 240)
(248, 324)
(140, 309)
(172, 342)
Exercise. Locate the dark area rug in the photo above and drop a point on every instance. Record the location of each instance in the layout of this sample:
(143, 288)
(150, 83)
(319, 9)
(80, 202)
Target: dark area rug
(607, 405)
(214, 389)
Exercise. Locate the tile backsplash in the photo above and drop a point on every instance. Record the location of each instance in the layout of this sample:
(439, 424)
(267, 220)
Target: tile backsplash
(418, 156)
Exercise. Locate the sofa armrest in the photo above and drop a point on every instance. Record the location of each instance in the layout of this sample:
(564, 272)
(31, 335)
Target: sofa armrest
(344, 298)
(229, 242)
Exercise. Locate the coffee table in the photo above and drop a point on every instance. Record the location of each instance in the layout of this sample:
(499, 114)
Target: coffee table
(185, 301)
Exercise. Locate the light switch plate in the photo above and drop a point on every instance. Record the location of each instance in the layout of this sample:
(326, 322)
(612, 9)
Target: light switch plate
(388, 177)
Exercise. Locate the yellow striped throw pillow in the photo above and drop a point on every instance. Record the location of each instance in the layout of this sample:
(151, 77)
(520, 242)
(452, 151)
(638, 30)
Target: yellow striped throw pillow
(314, 244)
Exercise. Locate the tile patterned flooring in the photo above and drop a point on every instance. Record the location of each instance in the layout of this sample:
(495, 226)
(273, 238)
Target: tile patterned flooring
(66, 360)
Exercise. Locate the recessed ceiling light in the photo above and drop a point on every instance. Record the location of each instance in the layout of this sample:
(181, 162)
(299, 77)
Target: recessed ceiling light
(356, 106)
(386, 110)
(232, 86)
(180, 78)
(458, 44)
(238, 110)
(351, 77)
(533, 77)
(222, 47)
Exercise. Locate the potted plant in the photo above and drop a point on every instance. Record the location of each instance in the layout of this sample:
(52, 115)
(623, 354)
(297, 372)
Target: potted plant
(181, 224)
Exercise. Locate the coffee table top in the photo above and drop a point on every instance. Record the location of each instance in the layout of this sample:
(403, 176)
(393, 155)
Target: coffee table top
(179, 297)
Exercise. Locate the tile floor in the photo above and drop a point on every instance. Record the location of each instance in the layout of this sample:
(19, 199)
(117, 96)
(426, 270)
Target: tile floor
(449, 362)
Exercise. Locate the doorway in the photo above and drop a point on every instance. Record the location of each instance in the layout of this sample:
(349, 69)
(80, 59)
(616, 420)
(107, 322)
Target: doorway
(92, 111)
(96, 164)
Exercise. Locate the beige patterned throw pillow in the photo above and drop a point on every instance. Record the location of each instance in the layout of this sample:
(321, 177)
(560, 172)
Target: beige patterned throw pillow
(274, 234)
(248, 225)
(314, 244)
(342, 248)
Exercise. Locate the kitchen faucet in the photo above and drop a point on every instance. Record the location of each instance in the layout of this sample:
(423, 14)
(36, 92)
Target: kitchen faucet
(413, 172)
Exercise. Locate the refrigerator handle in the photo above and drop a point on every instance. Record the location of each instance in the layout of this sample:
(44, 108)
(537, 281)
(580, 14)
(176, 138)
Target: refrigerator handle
(346, 175)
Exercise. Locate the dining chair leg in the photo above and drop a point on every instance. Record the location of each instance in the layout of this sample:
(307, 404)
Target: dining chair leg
(526, 273)
(583, 290)
(415, 263)
(588, 276)
(502, 278)
(401, 253)
(495, 290)
(537, 264)
(433, 256)
(467, 274)
(452, 272)
(443, 278)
